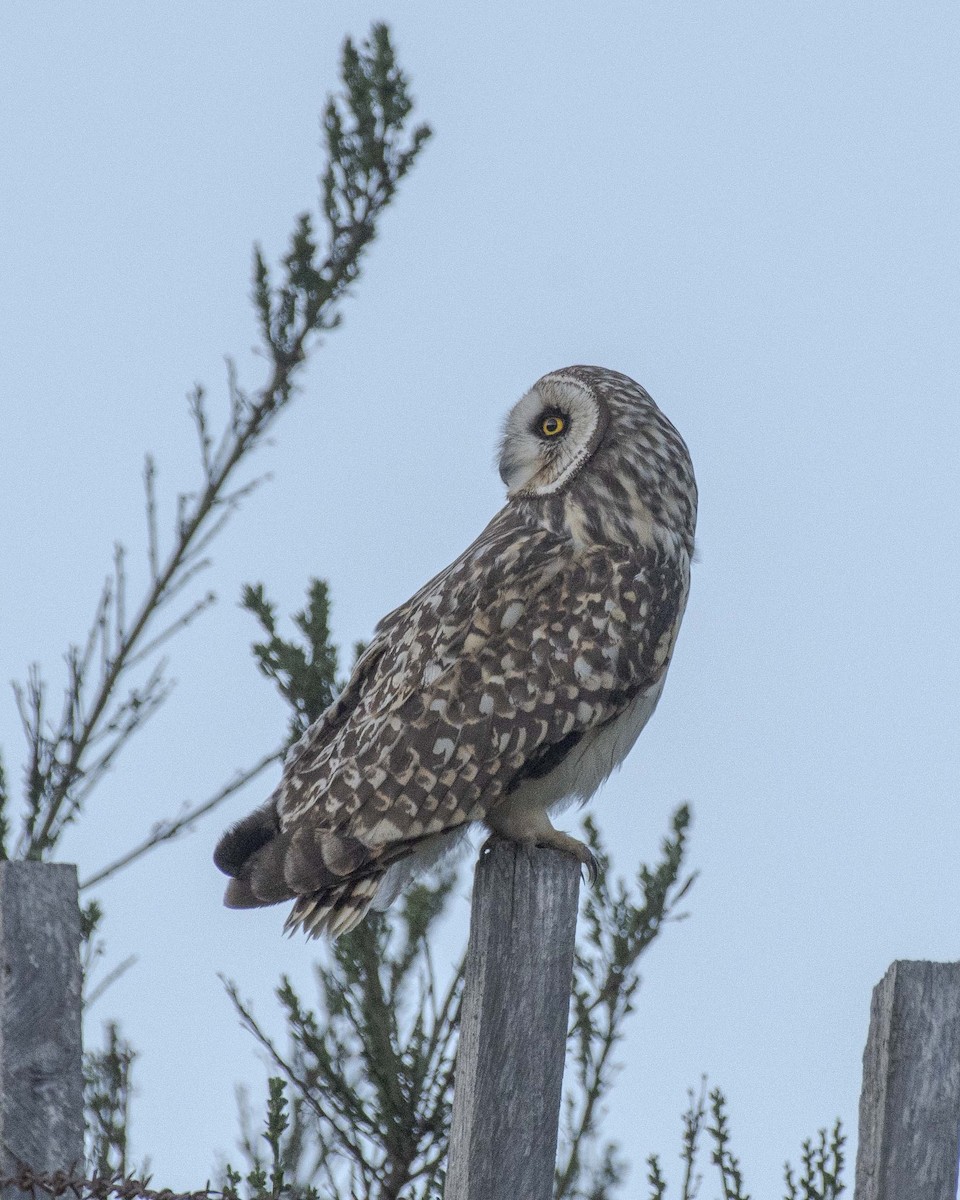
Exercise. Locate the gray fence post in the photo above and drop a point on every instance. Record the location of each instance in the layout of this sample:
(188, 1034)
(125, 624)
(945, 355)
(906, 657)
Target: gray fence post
(513, 1028)
(41, 1070)
(910, 1104)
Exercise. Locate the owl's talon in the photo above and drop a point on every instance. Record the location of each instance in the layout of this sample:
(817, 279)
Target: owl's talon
(582, 853)
(589, 867)
(555, 840)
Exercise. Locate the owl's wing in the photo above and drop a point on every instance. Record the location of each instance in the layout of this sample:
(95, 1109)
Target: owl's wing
(488, 671)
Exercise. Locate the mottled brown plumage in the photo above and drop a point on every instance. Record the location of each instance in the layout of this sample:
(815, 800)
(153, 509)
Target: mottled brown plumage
(518, 677)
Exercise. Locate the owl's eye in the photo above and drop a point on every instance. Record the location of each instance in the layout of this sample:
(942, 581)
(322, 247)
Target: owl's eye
(552, 426)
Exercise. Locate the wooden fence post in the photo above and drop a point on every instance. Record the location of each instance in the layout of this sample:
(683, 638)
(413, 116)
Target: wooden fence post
(910, 1104)
(513, 1028)
(41, 1069)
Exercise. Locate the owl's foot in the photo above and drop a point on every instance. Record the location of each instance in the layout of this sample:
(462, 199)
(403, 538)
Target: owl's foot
(545, 835)
(571, 845)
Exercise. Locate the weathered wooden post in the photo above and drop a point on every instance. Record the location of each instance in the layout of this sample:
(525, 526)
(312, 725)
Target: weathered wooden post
(513, 1027)
(41, 1070)
(910, 1104)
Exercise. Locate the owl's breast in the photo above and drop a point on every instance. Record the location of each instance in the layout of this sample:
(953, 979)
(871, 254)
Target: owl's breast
(589, 761)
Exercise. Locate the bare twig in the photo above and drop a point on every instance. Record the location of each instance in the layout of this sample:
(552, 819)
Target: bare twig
(165, 831)
(149, 483)
(119, 591)
(110, 978)
(180, 623)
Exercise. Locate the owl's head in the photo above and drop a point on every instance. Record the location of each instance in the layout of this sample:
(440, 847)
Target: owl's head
(549, 435)
(594, 431)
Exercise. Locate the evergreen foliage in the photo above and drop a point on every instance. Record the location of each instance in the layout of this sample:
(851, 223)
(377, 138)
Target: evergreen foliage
(107, 1090)
(821, 1161)
(118, 678)
(304, 674)
(267, 1180)
(370, 1068)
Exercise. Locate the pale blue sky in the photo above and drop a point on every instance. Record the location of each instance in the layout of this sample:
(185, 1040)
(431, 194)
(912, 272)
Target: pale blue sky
(751, 208)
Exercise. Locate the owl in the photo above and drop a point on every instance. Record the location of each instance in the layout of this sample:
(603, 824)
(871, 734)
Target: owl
(513, 682)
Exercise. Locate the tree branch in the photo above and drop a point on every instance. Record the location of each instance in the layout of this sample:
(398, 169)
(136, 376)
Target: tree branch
(165, 831)
(366, 158)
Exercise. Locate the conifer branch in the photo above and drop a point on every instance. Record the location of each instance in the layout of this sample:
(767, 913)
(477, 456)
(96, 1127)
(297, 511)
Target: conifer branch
(369, 150)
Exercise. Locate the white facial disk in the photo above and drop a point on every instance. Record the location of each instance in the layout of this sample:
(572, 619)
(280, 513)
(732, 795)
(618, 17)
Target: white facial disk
(548, 436)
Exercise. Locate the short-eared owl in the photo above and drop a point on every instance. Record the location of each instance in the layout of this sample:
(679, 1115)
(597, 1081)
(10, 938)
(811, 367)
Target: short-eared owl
(518, 678)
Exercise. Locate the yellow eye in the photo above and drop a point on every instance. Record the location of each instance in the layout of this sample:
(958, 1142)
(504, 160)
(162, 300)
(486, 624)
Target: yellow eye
(551, 426)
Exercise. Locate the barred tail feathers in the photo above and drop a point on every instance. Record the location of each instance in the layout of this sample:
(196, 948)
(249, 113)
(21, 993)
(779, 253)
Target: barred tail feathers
(335, 910)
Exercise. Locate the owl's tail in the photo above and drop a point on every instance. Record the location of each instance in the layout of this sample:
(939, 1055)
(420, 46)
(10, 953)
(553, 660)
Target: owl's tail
(335, 910)
(265, 868)
(252, 852)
